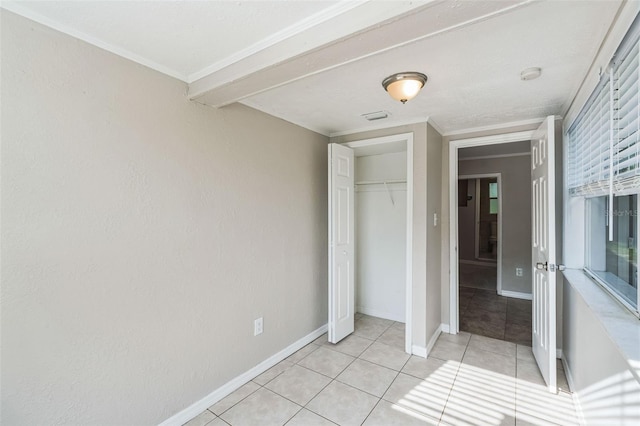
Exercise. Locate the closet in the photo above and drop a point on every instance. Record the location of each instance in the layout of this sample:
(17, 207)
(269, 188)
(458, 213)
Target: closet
(370, 233)
(380, 234)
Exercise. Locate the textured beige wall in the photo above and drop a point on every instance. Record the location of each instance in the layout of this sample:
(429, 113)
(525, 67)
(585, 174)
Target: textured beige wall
(434, 206)
(142, 234)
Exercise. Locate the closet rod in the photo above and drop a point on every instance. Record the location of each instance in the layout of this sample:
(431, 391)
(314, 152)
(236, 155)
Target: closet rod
(380, 182)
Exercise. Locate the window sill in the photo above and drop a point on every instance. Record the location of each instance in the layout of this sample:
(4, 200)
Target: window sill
(621, 325)
(622, 289)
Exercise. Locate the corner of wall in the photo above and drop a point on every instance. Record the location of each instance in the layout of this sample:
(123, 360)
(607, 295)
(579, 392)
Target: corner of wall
(434, 233)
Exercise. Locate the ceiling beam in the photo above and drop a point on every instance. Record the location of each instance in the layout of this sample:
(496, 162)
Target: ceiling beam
(311, 36)
(345, 36)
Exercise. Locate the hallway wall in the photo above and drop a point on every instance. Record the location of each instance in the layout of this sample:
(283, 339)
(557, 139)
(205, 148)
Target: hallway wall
(516, 215)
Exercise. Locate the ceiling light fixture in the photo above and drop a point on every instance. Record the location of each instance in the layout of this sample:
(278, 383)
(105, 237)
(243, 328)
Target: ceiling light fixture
(404, 86)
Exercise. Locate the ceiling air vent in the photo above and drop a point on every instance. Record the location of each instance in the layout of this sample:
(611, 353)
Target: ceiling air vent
(379, 115)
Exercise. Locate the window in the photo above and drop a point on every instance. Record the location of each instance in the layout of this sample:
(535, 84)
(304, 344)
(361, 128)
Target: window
(603, 166)
(493, 198)
(614, 261)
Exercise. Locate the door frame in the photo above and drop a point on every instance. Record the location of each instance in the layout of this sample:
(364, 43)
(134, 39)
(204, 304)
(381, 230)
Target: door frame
(498, 176)
(454, 145)
(395, 139)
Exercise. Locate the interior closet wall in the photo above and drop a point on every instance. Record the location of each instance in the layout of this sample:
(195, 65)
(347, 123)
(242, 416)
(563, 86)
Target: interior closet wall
(381, 220)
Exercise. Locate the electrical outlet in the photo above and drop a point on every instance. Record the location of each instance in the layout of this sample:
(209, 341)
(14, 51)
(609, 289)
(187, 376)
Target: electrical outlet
(257, 326)
(519, 272)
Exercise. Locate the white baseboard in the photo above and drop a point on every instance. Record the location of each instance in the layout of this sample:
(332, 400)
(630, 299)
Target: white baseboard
(198, 407)
(420, 351)
(434, 338)
(568, 374)
(516, 294)
(559, 353)
(478, 263)
(574, 394)
(380, 314)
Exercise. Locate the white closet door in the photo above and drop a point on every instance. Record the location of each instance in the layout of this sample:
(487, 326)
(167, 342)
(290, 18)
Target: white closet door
(341, 243)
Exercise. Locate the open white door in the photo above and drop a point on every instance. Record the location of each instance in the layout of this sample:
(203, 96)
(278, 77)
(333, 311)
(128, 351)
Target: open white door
(544, 250)
(341, 243)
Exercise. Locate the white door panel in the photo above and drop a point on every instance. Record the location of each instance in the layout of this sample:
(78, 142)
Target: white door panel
(341, 243)
(544, 250)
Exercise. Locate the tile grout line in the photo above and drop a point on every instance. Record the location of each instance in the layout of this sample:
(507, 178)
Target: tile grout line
(444, 408)
(263, 386)
(259, 386)
(391, 383)
(379, 399)
(396, 376)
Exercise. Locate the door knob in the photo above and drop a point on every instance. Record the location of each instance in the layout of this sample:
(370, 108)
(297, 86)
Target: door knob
(548, 267)
(541, 265)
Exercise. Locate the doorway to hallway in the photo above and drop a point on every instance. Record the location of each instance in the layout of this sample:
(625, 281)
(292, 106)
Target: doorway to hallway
(484, 210)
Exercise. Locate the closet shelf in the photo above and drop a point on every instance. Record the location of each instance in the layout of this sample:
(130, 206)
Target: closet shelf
(380, 182)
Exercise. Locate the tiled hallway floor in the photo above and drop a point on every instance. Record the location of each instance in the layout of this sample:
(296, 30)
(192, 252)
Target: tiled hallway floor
(482, 311)
(487, 314)
(483, 277)
(368, 379)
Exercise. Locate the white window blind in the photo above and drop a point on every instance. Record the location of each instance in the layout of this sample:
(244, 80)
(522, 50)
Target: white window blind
(626, 161)
(589, 145)
(604, 137)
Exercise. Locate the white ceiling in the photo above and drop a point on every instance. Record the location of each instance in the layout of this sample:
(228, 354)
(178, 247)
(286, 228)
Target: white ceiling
(320, 64)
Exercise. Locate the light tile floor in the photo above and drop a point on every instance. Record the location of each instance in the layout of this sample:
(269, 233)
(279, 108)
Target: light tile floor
(367, 379)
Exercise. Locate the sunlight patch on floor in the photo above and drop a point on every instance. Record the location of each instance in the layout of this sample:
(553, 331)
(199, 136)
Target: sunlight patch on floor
(413, 414)
(459, 393)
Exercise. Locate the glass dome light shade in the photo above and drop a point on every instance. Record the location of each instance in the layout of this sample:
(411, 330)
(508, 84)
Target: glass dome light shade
(404, 86)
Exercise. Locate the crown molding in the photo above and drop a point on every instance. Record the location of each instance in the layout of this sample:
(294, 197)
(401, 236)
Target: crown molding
(435, 126)
(281, 117)
(19, 9)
